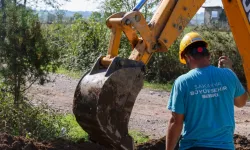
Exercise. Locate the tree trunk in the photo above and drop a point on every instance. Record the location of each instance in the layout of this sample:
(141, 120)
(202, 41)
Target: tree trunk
(3, 19)
(24, 3)
(16, 94)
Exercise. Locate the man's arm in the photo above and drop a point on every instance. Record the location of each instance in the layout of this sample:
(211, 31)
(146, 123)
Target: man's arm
(174, 130)
(241, 101)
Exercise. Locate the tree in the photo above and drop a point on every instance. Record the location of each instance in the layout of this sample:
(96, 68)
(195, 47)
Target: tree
(23, 50)
(97, 17)
(109, 7)
(51, 18)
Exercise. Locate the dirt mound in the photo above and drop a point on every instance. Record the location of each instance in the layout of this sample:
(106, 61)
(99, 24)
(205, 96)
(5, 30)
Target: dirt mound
(8, 142)
(240, 142)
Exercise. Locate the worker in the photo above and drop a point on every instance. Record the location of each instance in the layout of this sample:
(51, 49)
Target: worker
(202, 101)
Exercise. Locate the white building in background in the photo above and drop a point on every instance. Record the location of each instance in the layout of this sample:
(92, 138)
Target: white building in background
(212, 14)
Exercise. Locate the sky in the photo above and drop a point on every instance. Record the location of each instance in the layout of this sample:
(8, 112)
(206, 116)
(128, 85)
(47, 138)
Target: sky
(92, 5)
(81, 5)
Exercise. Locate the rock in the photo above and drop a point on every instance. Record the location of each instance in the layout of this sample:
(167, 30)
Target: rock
(151, 93)
(30, 146)
(16, 145)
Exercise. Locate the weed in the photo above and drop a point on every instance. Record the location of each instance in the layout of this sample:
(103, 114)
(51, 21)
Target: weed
(72, 129)
(138, 137)
(72, 74)
(158, 86)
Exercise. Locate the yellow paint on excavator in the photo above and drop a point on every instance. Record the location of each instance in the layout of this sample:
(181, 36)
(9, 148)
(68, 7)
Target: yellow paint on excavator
(238, 14)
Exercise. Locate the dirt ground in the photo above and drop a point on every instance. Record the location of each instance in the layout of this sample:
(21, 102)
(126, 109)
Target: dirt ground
(8, 142)
(149, 114)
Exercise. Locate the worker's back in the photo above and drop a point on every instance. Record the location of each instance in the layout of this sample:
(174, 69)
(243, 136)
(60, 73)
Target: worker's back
(207, 102)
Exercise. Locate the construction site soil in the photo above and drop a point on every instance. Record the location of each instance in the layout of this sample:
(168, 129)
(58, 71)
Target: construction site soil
(149, 116)
(8, 142)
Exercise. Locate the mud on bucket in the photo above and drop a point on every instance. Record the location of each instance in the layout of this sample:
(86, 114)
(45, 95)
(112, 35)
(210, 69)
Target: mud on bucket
(104, 99)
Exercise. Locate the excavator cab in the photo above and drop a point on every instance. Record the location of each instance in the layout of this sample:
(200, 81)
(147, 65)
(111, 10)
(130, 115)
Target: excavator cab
(105, 96)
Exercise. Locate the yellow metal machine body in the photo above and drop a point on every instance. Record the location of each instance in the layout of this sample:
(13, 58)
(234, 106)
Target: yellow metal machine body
(168, 22)
(158, 35)
(238, 14)
(105, 96)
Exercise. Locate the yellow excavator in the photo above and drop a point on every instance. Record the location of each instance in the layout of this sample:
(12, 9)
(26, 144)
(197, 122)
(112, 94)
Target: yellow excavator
(105, 96)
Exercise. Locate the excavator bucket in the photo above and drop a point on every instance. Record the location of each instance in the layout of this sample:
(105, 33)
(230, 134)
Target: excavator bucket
(104, 99)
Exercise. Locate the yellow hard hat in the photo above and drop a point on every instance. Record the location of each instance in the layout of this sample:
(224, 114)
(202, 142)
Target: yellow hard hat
(187, 40)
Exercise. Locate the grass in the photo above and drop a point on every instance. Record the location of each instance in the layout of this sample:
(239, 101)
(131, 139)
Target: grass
(158, 86)
(72, 74)
(73, 130)
(75, 133)
(78, 75)
(138, 137)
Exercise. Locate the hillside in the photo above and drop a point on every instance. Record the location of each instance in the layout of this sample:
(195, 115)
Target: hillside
(50, 15)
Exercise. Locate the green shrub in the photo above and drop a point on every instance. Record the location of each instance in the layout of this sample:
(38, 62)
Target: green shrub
(83, 41)
(79, 43)
(165, 67)
(37, 122)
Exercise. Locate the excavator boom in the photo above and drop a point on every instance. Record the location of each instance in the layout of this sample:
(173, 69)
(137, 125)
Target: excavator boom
(238, 14)
(105, 96)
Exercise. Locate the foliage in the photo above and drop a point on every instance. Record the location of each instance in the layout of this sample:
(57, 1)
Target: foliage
(222, 43)
(80, 48)
(23, 50)
(109, 7)
(79, 43)
(165, 67)
(138, 137)
(25, 120)
(73, 74)
(72, 129)
(38, 122)
(83, 41)
(43, 4)
(223, 16)
(158, 86)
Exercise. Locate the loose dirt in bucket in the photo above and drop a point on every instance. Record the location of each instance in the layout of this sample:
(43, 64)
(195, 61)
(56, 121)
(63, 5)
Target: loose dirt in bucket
(8, 142)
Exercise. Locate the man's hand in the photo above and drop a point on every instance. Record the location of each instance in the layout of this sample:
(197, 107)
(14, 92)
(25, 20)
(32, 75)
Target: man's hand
(224, 61)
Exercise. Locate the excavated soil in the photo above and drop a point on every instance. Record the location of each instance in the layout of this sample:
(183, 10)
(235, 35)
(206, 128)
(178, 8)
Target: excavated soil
(8, 142)
(241, 143)
(149, 114)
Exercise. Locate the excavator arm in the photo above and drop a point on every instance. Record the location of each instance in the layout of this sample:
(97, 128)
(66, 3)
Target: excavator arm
(105, 96)
(158, 35)
(238, 14)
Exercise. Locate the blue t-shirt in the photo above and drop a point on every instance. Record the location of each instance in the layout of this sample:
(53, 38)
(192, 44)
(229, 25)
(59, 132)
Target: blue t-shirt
(206, 98)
